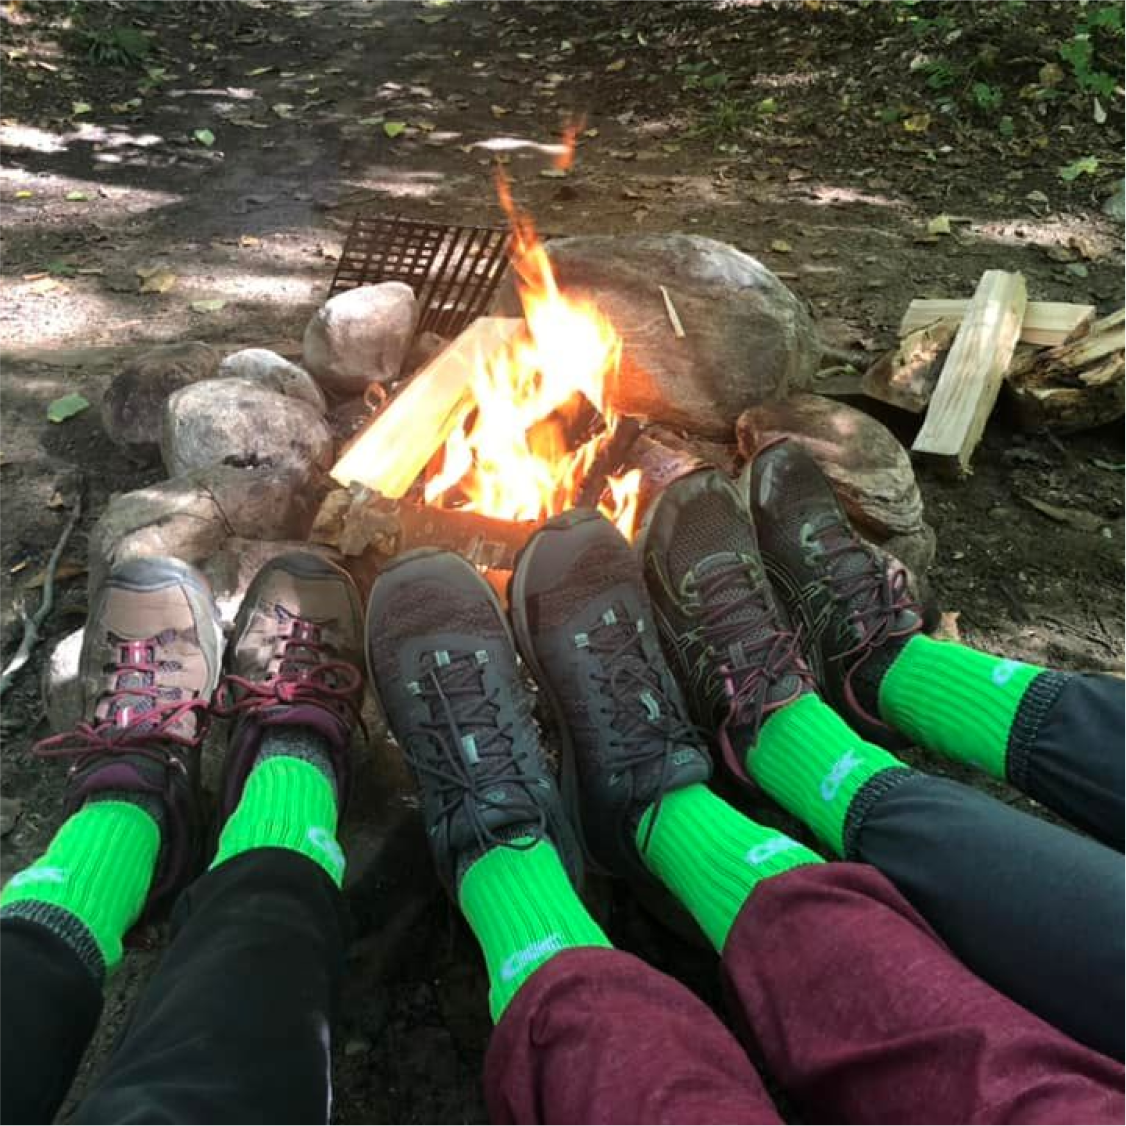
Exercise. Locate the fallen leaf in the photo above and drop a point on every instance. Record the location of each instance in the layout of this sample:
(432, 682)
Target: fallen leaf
(430, 17)
(917, 123)
(1037, 197)
(1081, 243)
(283, 110)
(781, 246)
(44, 285)
(209, 305)
(590, 132)
(629, 193)
(76, 197)
(498, 111)
(57, 500)
(552, 173)
(939, 225)
(80, 107)
(1085, 165)
(256, 71)
(205, 137)
(622, 154)
(1098, 112)
(249, 240)
(394, 128)
(67, 406)
(947, 628)
(65, 570)
(24, 194)
(616, 65)
(159, 282)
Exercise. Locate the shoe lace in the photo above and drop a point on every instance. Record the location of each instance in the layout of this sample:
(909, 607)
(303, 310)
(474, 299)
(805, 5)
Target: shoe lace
(143, 717)
(647, 722)
(308, 673)
(735, 606)
(464, 748)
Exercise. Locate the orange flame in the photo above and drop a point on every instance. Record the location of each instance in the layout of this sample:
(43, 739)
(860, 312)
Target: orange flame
(510, 457)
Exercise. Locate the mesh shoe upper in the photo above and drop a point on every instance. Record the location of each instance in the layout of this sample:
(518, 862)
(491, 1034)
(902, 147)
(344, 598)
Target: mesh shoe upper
(841, 592)
(442, 662)
(732, 648)
(584, 624)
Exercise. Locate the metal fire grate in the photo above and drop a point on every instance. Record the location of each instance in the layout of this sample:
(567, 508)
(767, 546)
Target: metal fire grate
(453, 271)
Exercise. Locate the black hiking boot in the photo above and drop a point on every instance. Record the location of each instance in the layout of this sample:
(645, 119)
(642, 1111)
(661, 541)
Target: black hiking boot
(584, 626)
(854, 613)
(733, 651)
(442, 661)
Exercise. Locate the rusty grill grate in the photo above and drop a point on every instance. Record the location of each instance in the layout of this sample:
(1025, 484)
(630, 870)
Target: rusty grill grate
(453, 270)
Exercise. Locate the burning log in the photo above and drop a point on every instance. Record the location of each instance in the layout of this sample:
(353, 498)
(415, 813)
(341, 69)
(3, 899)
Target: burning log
(392, 452)
(358, 522)
(610, 460)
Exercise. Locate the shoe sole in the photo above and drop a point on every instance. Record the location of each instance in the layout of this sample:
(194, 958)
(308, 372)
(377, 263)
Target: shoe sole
(517, 608)
(159, 572)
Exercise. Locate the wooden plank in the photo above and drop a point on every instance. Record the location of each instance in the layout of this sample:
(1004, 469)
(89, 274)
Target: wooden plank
(975, 366)
(390, 454)
(1045, 322)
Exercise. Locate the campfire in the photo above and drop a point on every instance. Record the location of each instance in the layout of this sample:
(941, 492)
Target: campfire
(511, 423)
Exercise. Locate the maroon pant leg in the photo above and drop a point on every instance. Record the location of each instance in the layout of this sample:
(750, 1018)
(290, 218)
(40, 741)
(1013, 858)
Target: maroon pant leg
(862, 1015)
(598, 1036)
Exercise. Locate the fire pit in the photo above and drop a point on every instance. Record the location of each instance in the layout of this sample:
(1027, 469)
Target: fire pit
(506, 427)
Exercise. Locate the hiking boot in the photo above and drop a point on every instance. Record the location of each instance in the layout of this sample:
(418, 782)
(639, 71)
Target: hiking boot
(151, 657)
(734, 653)
(442, 661)
(584, 626)
(293, 660)
(854, 613)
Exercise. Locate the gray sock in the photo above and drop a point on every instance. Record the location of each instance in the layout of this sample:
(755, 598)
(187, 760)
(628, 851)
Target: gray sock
(302, 743)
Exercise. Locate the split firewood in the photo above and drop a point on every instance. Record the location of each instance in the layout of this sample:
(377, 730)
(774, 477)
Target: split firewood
(1075, 386)
(906, 376)
(390, 454)
(974, 369)
(1046, 323)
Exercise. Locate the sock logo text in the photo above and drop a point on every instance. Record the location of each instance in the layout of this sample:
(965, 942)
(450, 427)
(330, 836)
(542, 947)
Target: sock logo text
(841, 769)
(530, 955)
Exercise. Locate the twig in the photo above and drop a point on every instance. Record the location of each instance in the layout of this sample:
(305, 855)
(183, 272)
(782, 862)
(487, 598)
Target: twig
(33, 624)
(674, 319)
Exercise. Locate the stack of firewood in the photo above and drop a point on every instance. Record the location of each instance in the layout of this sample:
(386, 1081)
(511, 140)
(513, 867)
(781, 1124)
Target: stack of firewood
(1062, 368)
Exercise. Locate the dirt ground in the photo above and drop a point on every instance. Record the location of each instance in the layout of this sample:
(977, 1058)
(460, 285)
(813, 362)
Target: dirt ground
(109, 182)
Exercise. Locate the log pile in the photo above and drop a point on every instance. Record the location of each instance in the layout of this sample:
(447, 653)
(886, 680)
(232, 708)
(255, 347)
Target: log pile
(1062, 370)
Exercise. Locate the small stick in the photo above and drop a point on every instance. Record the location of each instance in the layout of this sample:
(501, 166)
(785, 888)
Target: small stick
(33, 624)
(674, 320)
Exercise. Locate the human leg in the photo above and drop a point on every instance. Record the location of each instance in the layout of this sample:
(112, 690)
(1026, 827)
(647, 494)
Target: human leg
(723, 630)
(244, 992)
(584, 1033)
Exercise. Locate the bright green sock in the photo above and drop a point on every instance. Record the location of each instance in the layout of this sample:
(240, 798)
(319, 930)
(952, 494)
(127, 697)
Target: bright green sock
(955, 700)
(711, 857)
(813, 764)
(90, 885)
(287, 803)
(524, 910)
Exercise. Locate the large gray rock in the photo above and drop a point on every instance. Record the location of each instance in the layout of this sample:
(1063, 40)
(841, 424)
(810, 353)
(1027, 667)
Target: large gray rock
(869, 469)
(239, 421)
(747, 338)
(361, 336)
(260, 365)
(133, 405)
(192, 516)
(60, 685)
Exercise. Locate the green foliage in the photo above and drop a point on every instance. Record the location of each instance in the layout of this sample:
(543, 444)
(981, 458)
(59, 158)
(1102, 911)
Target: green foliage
(986, 96)
(726, 118)
(1084, 166)
(116, 46)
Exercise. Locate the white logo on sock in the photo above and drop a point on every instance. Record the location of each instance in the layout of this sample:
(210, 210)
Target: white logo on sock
(761, 853)
(538, 950)
(39, 876)
(1004, 672)
(841, 769)
(322, 840)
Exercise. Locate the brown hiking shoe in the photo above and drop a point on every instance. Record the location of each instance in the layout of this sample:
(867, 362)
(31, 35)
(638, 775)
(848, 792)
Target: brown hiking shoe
(151, 658)
(293, 660)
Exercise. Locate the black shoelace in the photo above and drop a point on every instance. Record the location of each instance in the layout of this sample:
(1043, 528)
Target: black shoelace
(469, 754)
(734, 607)
(647, 723)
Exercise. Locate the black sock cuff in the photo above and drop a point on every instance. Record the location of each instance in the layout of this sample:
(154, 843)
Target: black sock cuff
(863, 801)
(1038, 699)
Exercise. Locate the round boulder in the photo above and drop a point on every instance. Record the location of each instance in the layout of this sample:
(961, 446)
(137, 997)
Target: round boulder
(361, 336)
(744, 337)
(133, 404)
(869, 469)
(241, 422)
(275, 372)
